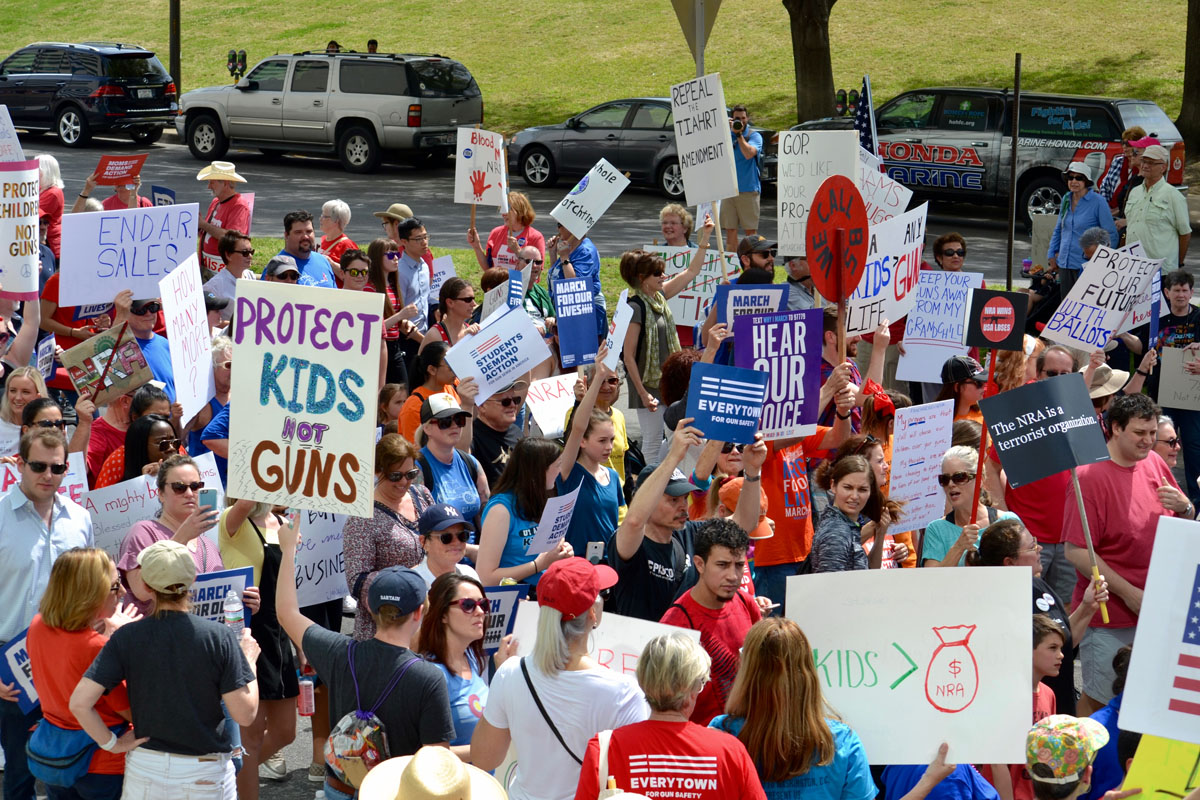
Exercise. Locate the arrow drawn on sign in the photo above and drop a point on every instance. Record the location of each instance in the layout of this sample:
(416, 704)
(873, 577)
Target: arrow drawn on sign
(912, 667)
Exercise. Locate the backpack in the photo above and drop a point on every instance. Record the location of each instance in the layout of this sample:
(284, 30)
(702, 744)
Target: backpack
(429, 480)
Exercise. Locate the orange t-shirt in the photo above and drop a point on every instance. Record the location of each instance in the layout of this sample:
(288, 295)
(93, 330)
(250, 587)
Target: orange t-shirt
(410, 412)
(785, 480)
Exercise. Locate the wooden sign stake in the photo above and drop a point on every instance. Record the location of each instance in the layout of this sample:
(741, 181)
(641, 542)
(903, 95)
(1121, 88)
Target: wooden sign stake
(1087, 537)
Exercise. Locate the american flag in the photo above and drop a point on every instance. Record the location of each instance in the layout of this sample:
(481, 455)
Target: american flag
(1185, 691)
(864, 119)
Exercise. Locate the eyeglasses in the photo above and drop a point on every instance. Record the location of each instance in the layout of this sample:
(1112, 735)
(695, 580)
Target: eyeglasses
(181, 488)
(447, 538)
(411, 475)
(115, 588)
(730, 447)
(537, 261)
(167, 445)
(249, 251)
(468, 605)
(470, 299)
(960, 252)
(392, 255)
(51, 423)
(1074, 177)
(508, 402)
(422, 238)
(1054, 373)
(146, 308)
(1036, 547)
(605, 594)
(1171, 443)
(458, 419)
(356, 273)
(957, 478)
(40, 466)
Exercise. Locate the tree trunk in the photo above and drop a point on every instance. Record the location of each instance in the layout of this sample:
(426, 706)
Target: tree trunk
(810, 53)
(1189, 113)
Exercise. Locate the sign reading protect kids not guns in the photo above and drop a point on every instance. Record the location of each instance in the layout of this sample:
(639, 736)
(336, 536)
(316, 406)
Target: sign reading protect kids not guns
(305, 367)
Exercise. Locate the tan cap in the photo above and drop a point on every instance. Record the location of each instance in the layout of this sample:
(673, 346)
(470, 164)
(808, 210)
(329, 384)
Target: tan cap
(220, 171)
(396, 212)
(165, 564)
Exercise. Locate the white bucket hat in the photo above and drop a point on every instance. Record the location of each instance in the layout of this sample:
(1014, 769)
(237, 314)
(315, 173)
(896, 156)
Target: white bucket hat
(434, 773)
(1083, 169)
(220, 171)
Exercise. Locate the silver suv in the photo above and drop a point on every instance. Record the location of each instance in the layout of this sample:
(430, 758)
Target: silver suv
(353, 104)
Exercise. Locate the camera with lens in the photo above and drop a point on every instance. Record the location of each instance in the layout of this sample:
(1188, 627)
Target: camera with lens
(737, 125)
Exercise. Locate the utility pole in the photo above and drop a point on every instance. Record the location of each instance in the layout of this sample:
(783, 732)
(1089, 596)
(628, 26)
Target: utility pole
(174, 46)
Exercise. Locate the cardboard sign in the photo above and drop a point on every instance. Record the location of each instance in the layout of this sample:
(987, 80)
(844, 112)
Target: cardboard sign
(883, 197)
(1162, 689)
(583, 206)
(500, 298)
(499, 354)
(443, 270)
(162, 196)
(887, 289)
(704, 140)
(922, 437)
(133, 248)
(209, 590)
(787, 348)
(15, 669)
(119, 170)
(305, 376)
(85, 364)
(837, 269)
(45, 357)
(320, 564)
(689, 307)
(74, 482)
(479, 168)
(574, 313)
(726, 402)
(996, 320)
(1177, 388)
(1102, 299)
(1164, 768)
(19, 213)
(617, 330)
(189, 337)
(552, 527)
(549, 400)
(949, 669)
(1044, 428)
(733, 301)
(806, 159)
(10, 145)
(502, 613)
(935, 327)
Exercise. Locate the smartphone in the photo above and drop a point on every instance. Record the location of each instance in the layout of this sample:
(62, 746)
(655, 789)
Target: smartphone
(208, 497)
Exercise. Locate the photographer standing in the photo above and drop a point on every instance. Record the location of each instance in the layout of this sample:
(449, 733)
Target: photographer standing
(742, 211)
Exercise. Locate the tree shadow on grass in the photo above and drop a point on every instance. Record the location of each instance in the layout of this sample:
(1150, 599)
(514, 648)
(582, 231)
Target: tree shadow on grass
(1110, 76)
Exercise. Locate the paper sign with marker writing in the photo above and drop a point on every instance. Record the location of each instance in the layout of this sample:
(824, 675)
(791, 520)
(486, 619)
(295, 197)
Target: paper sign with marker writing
(703, 140)
(162, 196)
(583, 206)
(443, 270)
(787, 348)
(806, 159)
(1147, 302)
(946, 670)
(502, 614)
(320, 564)
(127, 369)
(936, 324)
(189, 337)
(888, 287)
(10, 145)
(733, 300)
(922, 436)
(726, 402)
(15, 668)
(1164, 768)
(45, 357)
(689, 307)
(119, 170)
(556, 518)
(479, 167)
(574, 314)
(132, 248)
(1177, 388)
(550, 399)
(74, 482)
(885, 198)
(501, 298)
(209, 590)
(19, 213)
(1102, 299)
(617, 330)
(499, 354)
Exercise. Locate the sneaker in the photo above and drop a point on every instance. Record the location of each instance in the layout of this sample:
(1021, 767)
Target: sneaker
(274, 768)
(316, 773)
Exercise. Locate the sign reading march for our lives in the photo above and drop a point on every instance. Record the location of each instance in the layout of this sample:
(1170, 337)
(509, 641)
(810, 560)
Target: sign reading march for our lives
(703, 140)
(689, 307)
(189, 337)
(583, 206)
(787, 348)
(550, 399)
(806, 159)
(726, 402)
(556, 519)
(209, 590)
(502, 613)
(162, 196)
(305, 367)
(733, 301)
(1103, 298)
(922, 436)
(133, 248)
(888, 286)
(479, 168)
(320, 565)
(499, 354)
(19, 230)
(575, 316)
(1044, 428)
(936, 322)
(16, 669)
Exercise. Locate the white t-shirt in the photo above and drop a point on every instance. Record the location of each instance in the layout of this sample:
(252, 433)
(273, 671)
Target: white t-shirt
(10, 438)
(581, 703)
(422, 569)
(223, 284)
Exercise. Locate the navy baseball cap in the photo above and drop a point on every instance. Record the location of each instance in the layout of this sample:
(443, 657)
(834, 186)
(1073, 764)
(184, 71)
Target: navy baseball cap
(440, 516)
(678, 484)
(397, 586)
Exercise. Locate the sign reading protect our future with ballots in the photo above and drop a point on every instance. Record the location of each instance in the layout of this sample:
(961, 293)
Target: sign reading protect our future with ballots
(305, 369)
(726, 402)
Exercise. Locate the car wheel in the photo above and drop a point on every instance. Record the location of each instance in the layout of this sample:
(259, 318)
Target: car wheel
(537, 167)
(146, 135)
(1042, 195)
(670, 180)
(358, 150)
(205, 139)
(72, 127)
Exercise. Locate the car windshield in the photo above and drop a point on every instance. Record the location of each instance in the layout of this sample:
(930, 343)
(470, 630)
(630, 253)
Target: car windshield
(436, 78)
(135, 66)
(1152, 119)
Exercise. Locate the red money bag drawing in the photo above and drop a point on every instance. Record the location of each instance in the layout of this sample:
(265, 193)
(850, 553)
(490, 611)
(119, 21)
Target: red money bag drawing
(952, 680)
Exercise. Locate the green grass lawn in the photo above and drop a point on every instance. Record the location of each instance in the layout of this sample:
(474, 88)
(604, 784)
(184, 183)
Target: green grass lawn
(542, 60)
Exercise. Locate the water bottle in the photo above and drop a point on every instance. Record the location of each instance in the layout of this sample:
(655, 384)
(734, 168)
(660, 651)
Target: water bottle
(234, 616)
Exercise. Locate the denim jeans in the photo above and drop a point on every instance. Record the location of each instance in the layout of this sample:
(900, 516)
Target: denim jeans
(14, 734)
(771, 581)
(333, 794)
(89, 787)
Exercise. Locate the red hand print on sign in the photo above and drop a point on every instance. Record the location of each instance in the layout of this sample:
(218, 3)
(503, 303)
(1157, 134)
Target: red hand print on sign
(478, 185)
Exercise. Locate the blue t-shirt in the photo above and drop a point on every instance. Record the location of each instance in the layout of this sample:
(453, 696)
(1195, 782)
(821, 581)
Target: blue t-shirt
(1107, 770)
(941, 535)
(847, 777)
(595, 517)
(218, 428)
(585, 260)
(314, 270)
(195, 438)
(965, 783)
(158, 356)
(467, 699)
(520, 533)
(747, 168)
(453, 484)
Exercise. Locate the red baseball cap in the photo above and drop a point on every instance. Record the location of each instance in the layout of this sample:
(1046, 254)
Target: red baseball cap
(572, 585)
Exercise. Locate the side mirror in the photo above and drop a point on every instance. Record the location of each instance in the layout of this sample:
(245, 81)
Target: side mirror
(572, 123)
(245, 84)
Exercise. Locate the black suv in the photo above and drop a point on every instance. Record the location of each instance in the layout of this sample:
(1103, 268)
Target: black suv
(76, 90)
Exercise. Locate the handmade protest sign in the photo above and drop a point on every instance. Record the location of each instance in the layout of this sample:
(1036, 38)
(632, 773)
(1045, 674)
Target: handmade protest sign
(703, 139)
(1177, 388)
(74, 482)
(10, 145)
(733, 301)
(615, 342)
(586, 203)
(552, 527)
(189, 336)
(550, 399)
(786, 347)
(479, 167)
(726, 402)
(19, 230)
(304, 378)
(922, 436)
(498, 354)
(996, 320)
(127, 368)
(806, 159)
(500, 298)
(502, 613)
(320, 564)
(1146, 306)
(209, 590)
(690, 305)
(1164, 767)
(45, 357)
(119, 170)
(443, 270)
(575, 316)
(162, 196)
(836, 239)
(887, 289)
(883, 197)
(946, 670)
(132, 248)
(1162, 689)
(15, 669)
(1102, 298)
(936, 324)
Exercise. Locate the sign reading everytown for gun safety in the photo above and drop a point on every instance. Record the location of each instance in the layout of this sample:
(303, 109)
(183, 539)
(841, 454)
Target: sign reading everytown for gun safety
(689, 306)
(888, 286)
(726, 402)
(189, 337)
(133, 248)
(1101, 300)
(583, 206)
(499, 354)
(703, 140)
(936, 323)
(479, 168)
(787, 347)
(305, 369)
(19, 230)
(575, 316)
(806, 159)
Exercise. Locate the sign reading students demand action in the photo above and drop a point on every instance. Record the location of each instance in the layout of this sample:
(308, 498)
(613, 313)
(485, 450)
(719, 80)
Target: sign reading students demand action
(1044, 428)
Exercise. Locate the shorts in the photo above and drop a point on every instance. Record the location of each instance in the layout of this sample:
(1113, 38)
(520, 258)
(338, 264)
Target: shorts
(1096, 653)
(155, 775)
(740, 212)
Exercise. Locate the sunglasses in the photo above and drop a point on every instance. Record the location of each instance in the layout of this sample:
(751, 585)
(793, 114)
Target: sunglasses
(458, 419)
(147, 308)
(288, 277)
(960, 252)
(613, 381)
(1073, 177)
(978, 383)
(658, 273)
(392, 255)
(1054, 373)
(356, 273)
(730, 447)
(469, 604)
(770, 253)
(249, 251)
(180, 488)
(51, 423)
(1171, 443)
(957, 478)
(509, 402)
(447, 538)
(40, 466)
(605, 594)
(537, 261)
(867, 442)
(167, 445)
(411, 475)
(470, 299)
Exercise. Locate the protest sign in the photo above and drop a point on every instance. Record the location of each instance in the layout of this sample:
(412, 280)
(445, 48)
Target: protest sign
(704, 140)
(1044, 428)
(443, 270)
(10, 145)
(162, 196)
(119, 170)
(922, 436)
(1147, 304)
(883, 197)
(45, 357)
(189, 337)
(787, 348)
(935, 327)
(209, 590)
(90, 310)
(1162, 689)
(1102, 299)
(16, 669)
(836, 240)
(617, 330)
(726, 402)
(502, 613)
(500, 298)
(74, 482)
(806, 159)
(550, 399)
(689, 307)
(19, 213)
(320, 565)
(85, 364)
(479, 167)
(946, 670)
(552, 527)
(868, 161)
(733, 301)
(996, 320)
(887, 289)
(132, 248)
(1177, 388)
(1164, 768)
(575, 316)
(304, 432)
(499, 354)
(586, 203)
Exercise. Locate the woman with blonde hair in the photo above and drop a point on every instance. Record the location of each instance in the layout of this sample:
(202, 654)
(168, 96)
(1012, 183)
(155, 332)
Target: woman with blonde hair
(677, 223)
(948, 541)
(23, 385)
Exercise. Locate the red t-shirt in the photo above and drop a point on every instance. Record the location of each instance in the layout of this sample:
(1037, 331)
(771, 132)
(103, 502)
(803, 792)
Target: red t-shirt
(334, 248)
(1022, 784)
(65, 315)
(232, 214)
(673, 760)
(59, 658)
(785, 480)
(1123, 510)
(1029, 502)
(497, 245)
(50, 204)
(104, 439)
(114, 203)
